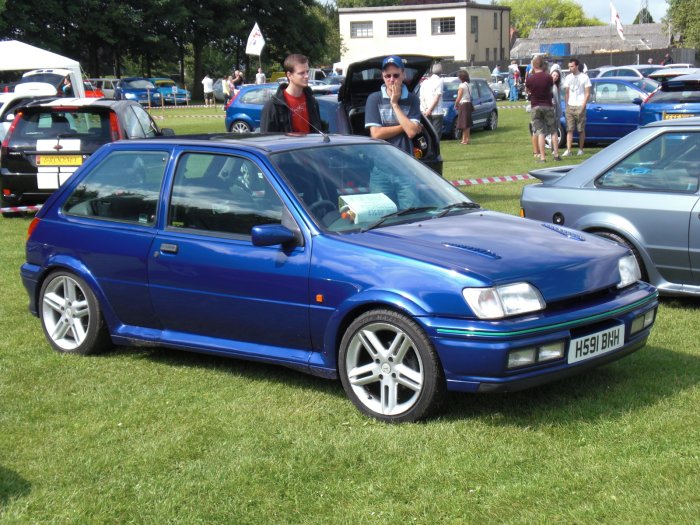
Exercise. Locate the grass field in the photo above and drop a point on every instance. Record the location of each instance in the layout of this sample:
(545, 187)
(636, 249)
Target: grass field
(156, 436)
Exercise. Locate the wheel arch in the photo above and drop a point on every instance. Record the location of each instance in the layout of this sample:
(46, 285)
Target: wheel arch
(631, 236)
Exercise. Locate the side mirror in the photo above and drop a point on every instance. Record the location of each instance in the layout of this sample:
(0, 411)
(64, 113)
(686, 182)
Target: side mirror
(167, 132)
(637, 101)
(272, 234)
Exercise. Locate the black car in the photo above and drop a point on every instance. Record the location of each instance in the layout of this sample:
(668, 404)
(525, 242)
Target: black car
(48, 141)
(345, 114)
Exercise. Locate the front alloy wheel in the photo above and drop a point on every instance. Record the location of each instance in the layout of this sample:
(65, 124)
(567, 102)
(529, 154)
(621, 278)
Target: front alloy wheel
(240, 127)
(70, 315)
(389, 368)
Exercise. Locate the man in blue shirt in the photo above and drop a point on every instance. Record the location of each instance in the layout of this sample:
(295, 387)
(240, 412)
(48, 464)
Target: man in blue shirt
(393, 114)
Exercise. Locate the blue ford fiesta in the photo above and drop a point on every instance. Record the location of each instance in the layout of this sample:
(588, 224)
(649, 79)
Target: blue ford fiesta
(340, 256)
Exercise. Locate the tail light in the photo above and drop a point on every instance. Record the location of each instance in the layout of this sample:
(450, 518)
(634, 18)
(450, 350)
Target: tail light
(233, 98)
(32, 226)
(115, 131)
(6, 140)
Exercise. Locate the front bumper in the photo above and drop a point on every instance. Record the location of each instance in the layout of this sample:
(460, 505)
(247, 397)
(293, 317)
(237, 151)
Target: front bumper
(474, 355)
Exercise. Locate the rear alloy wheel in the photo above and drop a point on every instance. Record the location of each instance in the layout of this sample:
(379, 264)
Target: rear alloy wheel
(492, 122)
(456, 132)
(239, 127)
(70, 315)
(389, 369)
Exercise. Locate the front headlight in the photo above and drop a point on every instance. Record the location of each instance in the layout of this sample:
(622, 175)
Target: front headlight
(503, 301)
(629, 271)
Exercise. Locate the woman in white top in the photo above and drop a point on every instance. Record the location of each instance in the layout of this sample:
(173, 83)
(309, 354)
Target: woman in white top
(464, 107)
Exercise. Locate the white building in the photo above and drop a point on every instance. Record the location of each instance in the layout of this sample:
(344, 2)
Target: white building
(459, 31)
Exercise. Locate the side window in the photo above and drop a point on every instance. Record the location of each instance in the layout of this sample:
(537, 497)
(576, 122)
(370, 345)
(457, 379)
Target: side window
(222, 194)
(125, 186)
(605, 92)
(132, 126)
(145, 121)
(670, 162)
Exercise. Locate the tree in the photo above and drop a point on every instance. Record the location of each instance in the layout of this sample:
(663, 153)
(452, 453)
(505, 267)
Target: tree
(643, 17)
(526, 15)
(684, 18)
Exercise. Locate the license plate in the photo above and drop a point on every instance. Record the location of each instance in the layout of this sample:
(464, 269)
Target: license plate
(59, 160)
(672, 116)
(593, 345)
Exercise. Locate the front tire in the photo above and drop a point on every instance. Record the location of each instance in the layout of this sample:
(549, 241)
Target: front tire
(492, 122)
(70, 315)
(389, 368)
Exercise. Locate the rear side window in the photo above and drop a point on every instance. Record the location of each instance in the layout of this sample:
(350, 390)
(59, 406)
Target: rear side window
(256, 96)
(125, 186)
(91, 127)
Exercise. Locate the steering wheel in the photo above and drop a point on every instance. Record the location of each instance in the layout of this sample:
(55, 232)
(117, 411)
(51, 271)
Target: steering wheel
(317, 206)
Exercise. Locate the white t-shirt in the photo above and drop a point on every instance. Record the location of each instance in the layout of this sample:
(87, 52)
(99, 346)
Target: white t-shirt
(208, 84)
(576, 86)
(430, 87)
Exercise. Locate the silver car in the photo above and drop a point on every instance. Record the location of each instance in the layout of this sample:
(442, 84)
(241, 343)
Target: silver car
(642, 192)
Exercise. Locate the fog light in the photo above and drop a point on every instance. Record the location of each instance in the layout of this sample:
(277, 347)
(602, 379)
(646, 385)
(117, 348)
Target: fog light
(649, 318)
(551, 351)
(522, 357)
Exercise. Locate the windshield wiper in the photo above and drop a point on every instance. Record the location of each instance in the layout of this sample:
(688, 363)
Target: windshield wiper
(455, 206)
(407, 211)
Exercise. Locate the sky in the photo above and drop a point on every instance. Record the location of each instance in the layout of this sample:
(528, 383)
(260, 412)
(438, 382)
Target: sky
(627, 9)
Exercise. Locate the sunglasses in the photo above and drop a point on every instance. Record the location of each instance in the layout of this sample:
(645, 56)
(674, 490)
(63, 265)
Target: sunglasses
(392, 75)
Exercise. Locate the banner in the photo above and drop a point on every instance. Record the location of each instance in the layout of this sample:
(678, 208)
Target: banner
(256, 42)
(615, 19)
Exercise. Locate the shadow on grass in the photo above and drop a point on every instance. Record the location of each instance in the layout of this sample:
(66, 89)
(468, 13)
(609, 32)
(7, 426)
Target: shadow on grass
(12, 486)
(635, 382)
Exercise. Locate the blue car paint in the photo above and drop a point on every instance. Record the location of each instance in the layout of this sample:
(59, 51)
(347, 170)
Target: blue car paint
(180, 96)
(144, 96)
(241, 110)
(265, 310)
(679, 98)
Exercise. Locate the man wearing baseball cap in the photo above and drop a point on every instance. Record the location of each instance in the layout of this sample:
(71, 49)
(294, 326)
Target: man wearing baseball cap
(393, 114)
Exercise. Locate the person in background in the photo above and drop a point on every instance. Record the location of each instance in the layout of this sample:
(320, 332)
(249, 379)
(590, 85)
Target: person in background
(392, 113)
(293, 108)
(260, 77)
(650, 60)
(464, 106)
(539, 85)
(238, 80)
(555, 73)
(496, 71)
(208, 85)
(67, 87)
(512, 82)
(577, 88)
(430, 98)
(667, 59)
(226, 90)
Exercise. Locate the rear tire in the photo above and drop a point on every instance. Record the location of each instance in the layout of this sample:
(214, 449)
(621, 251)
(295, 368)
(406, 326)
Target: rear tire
(239, 127)
(492, 122)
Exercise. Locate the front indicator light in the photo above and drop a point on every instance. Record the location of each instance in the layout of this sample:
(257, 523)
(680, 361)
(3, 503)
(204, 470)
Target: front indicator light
(536, 354)
(643, 321)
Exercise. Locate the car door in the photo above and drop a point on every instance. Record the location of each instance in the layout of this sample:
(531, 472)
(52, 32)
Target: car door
(209, 282)
(480, 100)
(611, 113)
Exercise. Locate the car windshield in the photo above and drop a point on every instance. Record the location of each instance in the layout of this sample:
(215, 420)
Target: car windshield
(165, 83)
(350, 187)
(449, 90)
(49, 78)
(91, 127)
(646, 84)
(140, 84)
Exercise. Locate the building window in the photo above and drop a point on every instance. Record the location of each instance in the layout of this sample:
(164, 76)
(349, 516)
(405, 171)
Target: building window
(487, 54)
(361, 30)
(401, 28)
(441, 26)
(495, 20)
(475, 28)
(503, 53)
(495, 53)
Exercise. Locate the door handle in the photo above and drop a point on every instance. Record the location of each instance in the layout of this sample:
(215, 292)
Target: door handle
(168, 248)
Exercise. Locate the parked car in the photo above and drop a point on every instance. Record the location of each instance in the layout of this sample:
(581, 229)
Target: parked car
(106, 85)
(677, 98)
(170, 92)
(10, 101)
(139, 90)
(485, 115)
(500, 82)
(48, 141)
(641, 192)
(345, 114)
(91, 91)
(668, 73)
(613, 108)
(499, 86)
(272, 248)
(328, 86)
(52, 76)
(635, 70)
(244, 110)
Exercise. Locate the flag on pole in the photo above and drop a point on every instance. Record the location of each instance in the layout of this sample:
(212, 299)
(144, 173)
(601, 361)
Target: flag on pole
(615, 19)
(256, 42)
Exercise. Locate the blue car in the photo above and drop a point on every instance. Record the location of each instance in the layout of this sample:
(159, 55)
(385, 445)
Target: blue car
(139, 90)
(613, 108)
(340, 256)
(170, 92)
(677, 98)
(485, 115)
(243, 112)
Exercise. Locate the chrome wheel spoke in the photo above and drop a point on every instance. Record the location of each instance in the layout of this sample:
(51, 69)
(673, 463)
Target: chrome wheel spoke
(54, 302)
(61, 328)
(409, 378)
(364, 375)
(389, 395)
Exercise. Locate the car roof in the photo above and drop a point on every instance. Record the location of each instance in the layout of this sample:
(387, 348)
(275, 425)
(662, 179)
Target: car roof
(264, 142)
(675, 123)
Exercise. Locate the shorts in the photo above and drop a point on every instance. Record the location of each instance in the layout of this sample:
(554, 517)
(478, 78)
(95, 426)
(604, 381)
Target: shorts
(544, 121)
(575, 118)
(209, 96)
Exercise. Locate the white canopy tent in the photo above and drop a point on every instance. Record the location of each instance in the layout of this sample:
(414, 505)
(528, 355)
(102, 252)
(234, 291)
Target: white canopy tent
(18, 56)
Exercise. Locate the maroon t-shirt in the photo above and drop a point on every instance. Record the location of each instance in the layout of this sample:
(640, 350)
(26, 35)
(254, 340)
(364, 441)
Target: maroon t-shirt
(540, 86)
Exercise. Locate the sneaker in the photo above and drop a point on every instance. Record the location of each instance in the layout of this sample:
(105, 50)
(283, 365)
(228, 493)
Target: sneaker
(557, 157)
(541, 160)
(580, 152)
(566, 153)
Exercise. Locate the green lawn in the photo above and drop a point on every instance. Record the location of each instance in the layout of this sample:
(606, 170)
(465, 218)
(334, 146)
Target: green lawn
(155, 436)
